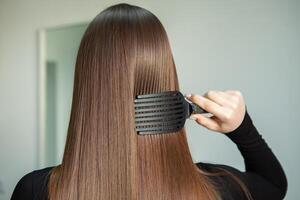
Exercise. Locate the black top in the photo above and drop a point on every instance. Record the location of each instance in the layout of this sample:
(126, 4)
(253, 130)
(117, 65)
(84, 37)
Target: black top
(264, 176)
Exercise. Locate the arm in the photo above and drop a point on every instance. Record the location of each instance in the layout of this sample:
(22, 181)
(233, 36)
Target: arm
(264, 175)
(263, 171)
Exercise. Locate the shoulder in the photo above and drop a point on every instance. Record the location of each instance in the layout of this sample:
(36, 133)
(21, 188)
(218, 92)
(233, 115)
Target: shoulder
(216, 168)
(31, 184)
(226, 178)
(229, 183)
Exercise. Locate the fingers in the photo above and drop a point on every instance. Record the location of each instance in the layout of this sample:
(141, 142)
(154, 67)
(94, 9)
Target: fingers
(234, 95)
(209, 106)
(227, 107)
(207, 122)
(218, 97)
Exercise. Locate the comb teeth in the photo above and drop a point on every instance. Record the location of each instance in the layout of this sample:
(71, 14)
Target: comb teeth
(160, 129)
(160, 112)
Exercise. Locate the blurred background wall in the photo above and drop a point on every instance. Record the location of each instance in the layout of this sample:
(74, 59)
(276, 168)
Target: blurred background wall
(61, 45)
(252, 46)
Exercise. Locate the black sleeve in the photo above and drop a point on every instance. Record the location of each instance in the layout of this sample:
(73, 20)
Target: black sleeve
(23, 189)
(263, 174)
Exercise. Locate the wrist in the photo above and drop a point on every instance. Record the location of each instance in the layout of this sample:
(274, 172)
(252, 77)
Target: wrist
(242, 128)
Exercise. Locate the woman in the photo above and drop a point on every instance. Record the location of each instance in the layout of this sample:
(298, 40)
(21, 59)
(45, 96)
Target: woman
(125, 52)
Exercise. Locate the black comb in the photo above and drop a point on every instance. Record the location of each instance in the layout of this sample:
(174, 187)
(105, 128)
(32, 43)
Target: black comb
(162, 112)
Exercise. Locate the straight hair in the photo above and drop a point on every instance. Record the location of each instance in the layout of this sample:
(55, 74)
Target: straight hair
(124, 52)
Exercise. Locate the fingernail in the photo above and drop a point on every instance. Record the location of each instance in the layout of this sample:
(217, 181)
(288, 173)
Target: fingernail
(188, 95)
(192, 117)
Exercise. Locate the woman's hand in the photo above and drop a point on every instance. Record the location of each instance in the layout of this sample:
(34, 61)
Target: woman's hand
(228, 109)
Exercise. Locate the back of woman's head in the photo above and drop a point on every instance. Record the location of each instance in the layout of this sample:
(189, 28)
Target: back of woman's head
(124, 52)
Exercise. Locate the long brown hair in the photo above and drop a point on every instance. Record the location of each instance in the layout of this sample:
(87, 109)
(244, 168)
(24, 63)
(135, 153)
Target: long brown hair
(124, 52)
